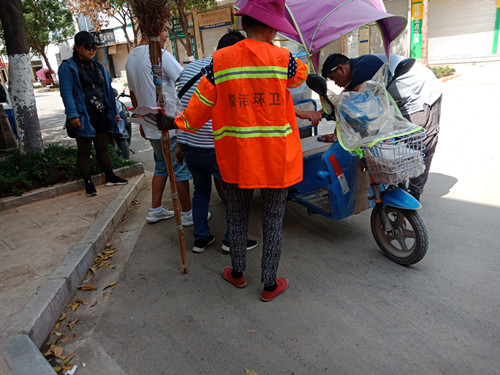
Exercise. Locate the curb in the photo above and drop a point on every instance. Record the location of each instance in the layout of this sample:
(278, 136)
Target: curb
(33, 324)
(55, 190)
(449, 78)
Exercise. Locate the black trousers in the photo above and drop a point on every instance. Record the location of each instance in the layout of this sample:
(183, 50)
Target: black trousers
(428, 118)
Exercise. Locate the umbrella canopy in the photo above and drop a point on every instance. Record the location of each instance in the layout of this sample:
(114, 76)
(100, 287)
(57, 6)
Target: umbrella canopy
(321, 22)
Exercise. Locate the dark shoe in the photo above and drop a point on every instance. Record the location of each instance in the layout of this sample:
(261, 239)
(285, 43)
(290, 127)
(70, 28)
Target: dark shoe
(251, 244)
(115, 180)
(202, 243)
(282, 285)
(240, 282)
(90, 189)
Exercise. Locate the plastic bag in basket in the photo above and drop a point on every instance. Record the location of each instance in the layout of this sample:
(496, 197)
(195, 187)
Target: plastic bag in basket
(367, 116)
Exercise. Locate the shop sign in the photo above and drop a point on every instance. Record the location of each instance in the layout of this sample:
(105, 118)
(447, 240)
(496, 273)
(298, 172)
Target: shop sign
(417, 11)
(215, 18)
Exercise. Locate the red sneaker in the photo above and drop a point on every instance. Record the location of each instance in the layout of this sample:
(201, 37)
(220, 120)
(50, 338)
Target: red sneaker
(282, 285)
(240, 282)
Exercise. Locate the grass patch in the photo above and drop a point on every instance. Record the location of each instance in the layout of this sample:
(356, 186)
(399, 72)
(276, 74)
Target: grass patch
(442, 71)
(22, 172)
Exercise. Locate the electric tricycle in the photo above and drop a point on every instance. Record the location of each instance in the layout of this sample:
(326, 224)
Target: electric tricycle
(338, 183)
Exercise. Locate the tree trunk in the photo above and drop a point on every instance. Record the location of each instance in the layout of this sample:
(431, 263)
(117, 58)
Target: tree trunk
(425, 28)
(20, 82)
(186, 42)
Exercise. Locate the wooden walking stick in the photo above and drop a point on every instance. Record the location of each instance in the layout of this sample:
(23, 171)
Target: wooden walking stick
(152, 16)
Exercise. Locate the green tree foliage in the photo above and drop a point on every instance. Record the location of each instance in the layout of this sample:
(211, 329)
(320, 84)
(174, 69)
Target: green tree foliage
(47, 21)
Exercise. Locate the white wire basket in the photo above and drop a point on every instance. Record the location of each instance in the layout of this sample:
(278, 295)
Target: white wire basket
(397, 159)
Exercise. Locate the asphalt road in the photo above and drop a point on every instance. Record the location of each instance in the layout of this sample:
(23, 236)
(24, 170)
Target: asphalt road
(348, 310)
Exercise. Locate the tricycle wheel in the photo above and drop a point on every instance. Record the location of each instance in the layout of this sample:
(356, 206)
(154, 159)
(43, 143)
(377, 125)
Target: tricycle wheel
(407, 242)
(221, 189)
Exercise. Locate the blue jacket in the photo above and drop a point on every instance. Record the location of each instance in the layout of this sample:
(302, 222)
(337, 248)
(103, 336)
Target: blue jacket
(74, 101)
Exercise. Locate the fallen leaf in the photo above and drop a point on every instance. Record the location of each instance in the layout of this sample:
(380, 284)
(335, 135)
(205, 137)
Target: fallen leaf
(87, 287)
(250, 372)
(62, 317)
(57, 350)
(110, 285)
(57, 368)
(67, 367)
(58, 325)
(56, 341)
(68, 338)
(108, 245)
(107, 293)
(251, 331)
(82, 302)
(110, 266)
(48, 353)
(70, 325)
(73, 306)
(67, 359)
(95, 303)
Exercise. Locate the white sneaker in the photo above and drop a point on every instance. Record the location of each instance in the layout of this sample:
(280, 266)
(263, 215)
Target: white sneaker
(187, 220)
(155, 216)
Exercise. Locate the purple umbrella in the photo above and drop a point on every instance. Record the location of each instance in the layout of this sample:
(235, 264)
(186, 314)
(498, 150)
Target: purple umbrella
(321, 22)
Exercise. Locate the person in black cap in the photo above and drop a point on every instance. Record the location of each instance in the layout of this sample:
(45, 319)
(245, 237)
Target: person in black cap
(88, 98)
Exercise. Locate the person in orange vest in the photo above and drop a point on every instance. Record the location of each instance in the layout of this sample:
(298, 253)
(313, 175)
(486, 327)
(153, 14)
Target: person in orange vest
(257, 141)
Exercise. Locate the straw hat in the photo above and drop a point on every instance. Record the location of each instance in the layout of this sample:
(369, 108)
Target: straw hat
(271, 13)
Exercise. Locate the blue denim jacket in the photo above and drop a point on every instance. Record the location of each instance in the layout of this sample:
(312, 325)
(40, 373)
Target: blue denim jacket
(74, 101)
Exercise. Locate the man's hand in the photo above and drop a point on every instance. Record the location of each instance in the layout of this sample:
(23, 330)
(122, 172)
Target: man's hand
(329, 138)
(75, 122)
(164, 122)
(179, 156)
(313, 116)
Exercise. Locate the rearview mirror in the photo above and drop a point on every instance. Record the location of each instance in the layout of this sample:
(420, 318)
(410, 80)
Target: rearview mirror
(317, 84)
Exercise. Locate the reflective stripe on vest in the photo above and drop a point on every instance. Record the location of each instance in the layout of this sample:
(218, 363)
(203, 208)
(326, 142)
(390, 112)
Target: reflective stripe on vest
(251, 72)
(203, 99)
(253, 131)
(186, 124)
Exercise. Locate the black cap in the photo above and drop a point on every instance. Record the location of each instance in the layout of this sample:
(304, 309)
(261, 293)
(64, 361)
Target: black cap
(84, 37)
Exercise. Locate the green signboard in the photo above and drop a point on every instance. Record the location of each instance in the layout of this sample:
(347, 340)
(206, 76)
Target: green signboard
(417, 10)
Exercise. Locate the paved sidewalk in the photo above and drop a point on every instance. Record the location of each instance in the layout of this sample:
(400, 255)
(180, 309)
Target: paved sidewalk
(46, 247)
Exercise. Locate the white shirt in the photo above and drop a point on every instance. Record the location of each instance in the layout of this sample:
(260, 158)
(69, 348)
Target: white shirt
(140, 79)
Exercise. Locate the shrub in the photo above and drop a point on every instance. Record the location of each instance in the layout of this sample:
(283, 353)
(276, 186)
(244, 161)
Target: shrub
(21, 172)
(442, 71)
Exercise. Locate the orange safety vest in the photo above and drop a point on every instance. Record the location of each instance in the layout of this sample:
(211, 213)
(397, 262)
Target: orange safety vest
(257, 141)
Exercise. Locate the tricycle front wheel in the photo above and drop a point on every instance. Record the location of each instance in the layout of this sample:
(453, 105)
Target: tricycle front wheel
(407, 242)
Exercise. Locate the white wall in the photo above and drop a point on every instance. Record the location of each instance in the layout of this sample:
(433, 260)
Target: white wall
(119, 60)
